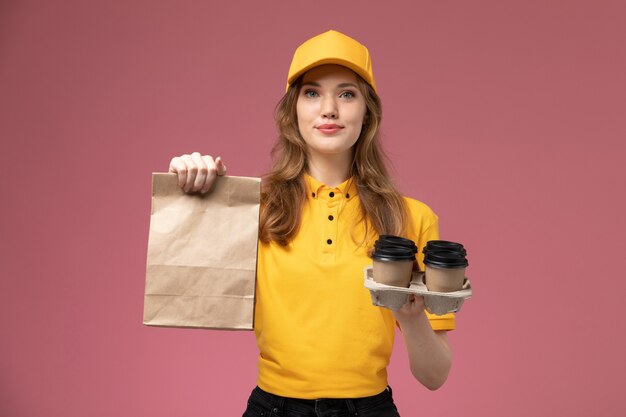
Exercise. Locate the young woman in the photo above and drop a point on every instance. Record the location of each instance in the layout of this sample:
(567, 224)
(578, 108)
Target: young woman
(324, 347)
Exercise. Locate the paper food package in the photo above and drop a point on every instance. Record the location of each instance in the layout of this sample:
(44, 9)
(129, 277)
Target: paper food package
(202, 254)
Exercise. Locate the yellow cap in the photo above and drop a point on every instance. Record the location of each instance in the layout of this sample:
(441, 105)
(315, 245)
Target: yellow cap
(332, 47)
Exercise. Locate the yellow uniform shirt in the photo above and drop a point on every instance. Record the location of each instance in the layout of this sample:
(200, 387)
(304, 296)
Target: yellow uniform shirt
(319, 336)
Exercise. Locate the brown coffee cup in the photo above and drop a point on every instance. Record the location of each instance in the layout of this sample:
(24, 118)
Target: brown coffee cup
(443, 279)
(445, 264)
(393, 258)
(394, 273)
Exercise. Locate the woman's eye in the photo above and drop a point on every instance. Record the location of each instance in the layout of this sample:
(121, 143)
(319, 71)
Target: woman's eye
(347, 94)
(310, 93)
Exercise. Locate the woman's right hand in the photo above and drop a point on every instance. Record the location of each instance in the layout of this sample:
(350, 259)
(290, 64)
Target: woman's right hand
(197, 173)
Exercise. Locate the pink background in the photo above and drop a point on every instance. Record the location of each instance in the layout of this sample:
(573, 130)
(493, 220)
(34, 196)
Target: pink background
(506, 117)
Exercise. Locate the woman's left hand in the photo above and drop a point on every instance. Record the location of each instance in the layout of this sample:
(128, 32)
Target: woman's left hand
(411, 309)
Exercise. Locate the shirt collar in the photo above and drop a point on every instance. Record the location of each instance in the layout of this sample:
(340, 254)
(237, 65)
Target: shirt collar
(317, 189)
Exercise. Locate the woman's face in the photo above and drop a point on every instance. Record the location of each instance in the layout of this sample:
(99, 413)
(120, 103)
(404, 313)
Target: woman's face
(331, 110)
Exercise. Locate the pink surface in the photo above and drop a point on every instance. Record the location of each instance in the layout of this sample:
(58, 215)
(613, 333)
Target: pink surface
(506, 117)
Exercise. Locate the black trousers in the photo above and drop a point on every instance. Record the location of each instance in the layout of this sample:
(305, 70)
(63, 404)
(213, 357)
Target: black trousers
(264, 404)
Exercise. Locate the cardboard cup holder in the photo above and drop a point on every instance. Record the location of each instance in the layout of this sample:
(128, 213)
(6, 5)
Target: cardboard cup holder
(436, 302)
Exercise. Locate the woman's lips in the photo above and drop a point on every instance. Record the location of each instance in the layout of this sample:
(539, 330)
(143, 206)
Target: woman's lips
(329, 128)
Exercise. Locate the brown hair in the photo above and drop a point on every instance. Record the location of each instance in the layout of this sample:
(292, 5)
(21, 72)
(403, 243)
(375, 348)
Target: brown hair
(284, 190)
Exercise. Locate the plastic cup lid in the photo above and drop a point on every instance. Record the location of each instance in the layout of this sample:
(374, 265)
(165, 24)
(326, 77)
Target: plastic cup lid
(445, 259)
(444, 245)
(393, 253)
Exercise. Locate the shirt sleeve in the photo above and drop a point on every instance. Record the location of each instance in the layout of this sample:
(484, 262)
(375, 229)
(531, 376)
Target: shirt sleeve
(443, 322)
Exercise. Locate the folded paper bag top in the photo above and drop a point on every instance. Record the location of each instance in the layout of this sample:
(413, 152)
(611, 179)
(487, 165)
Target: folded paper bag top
(202, 254)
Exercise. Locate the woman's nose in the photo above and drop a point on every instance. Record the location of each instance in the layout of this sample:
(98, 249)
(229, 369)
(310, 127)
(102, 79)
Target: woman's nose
(329, 108)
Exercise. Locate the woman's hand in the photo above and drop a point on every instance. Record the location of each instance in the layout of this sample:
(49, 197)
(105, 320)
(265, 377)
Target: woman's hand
(410, 310)
(197, 173)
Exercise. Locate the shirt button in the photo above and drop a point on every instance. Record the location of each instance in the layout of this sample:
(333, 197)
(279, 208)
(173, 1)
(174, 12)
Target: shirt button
(347, 195)
(313, 194)
(329, 241)
(331, 194)
(330, 217)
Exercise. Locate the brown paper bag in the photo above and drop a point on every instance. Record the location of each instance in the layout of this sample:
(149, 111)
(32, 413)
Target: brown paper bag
(202, 253)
